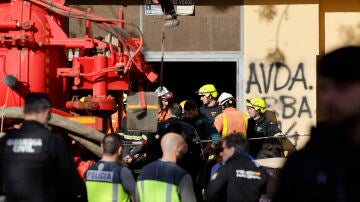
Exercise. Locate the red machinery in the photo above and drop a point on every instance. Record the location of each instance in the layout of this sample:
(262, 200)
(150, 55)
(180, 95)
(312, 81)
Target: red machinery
(34, 52)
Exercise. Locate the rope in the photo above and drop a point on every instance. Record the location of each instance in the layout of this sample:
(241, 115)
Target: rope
(271, 137)
(134, 143)
(279, 137)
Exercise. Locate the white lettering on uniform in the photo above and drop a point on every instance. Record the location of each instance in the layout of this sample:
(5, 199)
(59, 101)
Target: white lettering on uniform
(24, 145)
(248, 174)
(95, 175)
(240, 173)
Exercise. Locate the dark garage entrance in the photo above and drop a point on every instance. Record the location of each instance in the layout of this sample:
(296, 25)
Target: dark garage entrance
(184, 78)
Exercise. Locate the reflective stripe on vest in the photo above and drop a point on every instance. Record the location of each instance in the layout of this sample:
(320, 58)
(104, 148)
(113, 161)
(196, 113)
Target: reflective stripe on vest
(106, 191)
(152, 190)
(225, 126)
(246, 124)
(115, 192)
(133, 137)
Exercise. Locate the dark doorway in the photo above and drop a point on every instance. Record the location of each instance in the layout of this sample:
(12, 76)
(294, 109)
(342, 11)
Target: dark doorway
(185, 78)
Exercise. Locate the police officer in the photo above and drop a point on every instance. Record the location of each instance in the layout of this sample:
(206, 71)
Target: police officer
(192, 160)
(36, 164)
(163, 179)
(115, 181)
(240, 178)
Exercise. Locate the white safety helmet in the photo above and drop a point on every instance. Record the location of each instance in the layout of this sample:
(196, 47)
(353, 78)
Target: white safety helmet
(225, 97)
(163, 92)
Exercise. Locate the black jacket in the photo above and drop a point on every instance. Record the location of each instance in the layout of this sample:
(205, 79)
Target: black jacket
(239, 179)
(326, 169)
(193, 159)
(37, 165)
(205, 128)
(210, 112)
(261, 127)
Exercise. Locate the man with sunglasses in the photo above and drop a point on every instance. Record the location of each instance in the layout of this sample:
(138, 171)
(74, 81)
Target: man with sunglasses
(240, 178)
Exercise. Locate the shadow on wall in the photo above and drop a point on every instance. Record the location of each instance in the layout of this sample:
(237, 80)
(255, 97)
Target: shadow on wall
(350, 34)
(268, 14)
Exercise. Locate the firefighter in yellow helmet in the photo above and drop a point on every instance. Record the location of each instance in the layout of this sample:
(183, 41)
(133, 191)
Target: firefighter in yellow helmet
(210, 107)
(260, 126)
(258, 104)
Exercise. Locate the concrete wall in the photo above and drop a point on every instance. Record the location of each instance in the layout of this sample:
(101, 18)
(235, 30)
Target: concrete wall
(339, 24)
(282, 42)
(213, 27)
(280, 49)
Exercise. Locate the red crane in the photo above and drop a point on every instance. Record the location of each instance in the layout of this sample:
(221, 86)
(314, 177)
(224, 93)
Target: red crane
(84, 77)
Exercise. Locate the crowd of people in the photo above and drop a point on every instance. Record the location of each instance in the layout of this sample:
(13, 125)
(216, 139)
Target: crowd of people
(198, 153)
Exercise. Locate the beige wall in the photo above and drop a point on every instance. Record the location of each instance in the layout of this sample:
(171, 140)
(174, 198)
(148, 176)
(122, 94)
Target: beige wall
(341, 28)
(280, 48)
(341, 23)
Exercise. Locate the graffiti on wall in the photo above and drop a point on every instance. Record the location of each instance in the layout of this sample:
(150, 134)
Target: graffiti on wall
(285, 89)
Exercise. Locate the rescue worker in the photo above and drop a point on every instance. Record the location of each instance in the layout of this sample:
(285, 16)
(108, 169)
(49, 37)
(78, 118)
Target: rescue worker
(134, 142)
(259, 126)
(115, 117)
(200, 122)
(36, 164)
(168, 8)
(163, 179)
(240, 178)
(210, 107)
(165, 98)
(230, 120)
(107, 180)
(192, 160)
(206, 131)
(134, 153)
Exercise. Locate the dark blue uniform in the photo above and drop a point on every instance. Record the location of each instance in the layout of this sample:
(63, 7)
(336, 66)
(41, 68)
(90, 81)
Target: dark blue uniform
(37, 165)
(240, 179)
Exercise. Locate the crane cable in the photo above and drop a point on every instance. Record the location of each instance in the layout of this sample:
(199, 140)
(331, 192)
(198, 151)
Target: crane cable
(162, 54)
